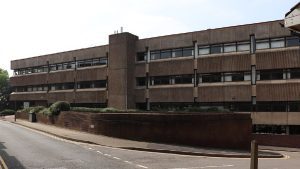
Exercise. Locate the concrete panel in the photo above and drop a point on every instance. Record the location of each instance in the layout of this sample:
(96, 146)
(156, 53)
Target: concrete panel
(33, 79)
(228, 63)
(180, 94)
(172, 67)
(91, 74)
(270, 118)
(28, 96)
(278, 59)
(61, 76)
(90, 96)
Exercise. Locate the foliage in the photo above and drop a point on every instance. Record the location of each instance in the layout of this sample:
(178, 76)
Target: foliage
(7, 112)
(4, 89)
(94, 110)
(59, 106)
(36, 109)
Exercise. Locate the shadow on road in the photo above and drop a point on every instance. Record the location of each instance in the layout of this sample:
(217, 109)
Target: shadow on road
(11, 161)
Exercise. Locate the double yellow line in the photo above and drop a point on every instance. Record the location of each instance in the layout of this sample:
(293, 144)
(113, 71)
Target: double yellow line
(2, 164)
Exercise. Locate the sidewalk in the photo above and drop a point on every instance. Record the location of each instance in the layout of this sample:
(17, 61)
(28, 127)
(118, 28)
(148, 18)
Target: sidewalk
(137, 145)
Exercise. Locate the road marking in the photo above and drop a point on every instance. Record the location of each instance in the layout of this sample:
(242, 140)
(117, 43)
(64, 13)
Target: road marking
(91, 148)
(138, 165)
(212, 166)
(128, 162)
(117, 158)
(2, 163)
(107, 155)
(99, 152)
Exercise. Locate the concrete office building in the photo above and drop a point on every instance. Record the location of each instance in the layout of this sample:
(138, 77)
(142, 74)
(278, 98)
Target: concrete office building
(247, 68)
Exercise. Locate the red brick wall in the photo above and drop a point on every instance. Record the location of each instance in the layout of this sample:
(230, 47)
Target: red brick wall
(212, 130)
(278, 140)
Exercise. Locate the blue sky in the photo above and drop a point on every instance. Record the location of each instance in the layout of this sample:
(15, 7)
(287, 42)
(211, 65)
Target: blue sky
(34, 27)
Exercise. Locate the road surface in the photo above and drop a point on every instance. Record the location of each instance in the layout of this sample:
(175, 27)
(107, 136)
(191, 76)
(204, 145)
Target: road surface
(24, 148)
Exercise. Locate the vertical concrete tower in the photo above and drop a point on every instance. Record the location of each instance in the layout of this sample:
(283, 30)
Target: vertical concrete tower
(121, 60)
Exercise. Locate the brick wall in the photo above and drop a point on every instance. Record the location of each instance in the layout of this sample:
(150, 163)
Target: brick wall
(213, 130)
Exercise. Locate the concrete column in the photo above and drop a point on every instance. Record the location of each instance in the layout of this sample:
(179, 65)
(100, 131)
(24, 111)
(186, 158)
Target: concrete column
(122, 53)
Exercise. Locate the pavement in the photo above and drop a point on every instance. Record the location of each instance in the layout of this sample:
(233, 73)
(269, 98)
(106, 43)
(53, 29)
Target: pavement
(102, 140)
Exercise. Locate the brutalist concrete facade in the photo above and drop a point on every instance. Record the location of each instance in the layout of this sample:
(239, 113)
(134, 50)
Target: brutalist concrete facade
(252, 68)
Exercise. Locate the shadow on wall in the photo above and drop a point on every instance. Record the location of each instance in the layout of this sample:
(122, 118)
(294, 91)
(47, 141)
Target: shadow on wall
(11, 161)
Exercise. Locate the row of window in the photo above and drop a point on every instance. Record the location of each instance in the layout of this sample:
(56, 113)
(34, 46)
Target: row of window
(221, 77)
(277, 129)
(278, 74)
(221, 48)
(164, 54)
(62, 86)
(189, 79)
(63, 66)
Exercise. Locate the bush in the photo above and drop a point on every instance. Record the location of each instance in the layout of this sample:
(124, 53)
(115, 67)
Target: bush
(46, 112)
(7, 112)
(100, 110)
(26, 110)
(57, 107)
(36, 109)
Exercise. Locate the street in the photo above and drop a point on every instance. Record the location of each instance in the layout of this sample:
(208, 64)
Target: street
(22, 148)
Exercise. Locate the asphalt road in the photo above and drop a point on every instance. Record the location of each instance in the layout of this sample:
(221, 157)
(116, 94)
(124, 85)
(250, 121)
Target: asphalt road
(25, 148)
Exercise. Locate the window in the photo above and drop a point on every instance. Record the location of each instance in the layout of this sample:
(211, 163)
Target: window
(141, 56)
(67, 86)
(229, 47)
(247, 76)
(270, 75)
(103, 61)
(216, 49)
(188, 52)
(277, 43)
(52, 67)
(28, 71)
(160, 80)
(234, 77)
(183, 79)
(243, 46)
(295, 73)
(84, 85)
(211, 78)
(292, 41)
(166, 54)
(177, 53)
(203, 50)
(100, 84)
(262, 44)
(141, 81)
(155, 55)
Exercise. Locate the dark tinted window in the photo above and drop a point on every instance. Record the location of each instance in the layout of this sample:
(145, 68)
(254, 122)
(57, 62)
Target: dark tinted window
(292, 41)
(100, 84)
(155, 55)
(271, 74)
(237, 77)
(161, 80)
(183, 79)
(177, 52)
(295, 73)
(216, 49)
(188, 52)
(166, 54)
(209, 78)
(141, 56)
(140, 81)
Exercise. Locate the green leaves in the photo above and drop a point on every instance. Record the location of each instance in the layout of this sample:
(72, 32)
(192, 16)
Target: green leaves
(4, 89)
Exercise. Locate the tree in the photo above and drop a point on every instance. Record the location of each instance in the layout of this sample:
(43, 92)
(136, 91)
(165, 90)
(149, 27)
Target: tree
(4, 89)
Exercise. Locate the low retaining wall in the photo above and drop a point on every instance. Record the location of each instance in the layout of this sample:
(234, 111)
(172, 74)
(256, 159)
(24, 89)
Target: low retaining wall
(278, 140)
(222, 130)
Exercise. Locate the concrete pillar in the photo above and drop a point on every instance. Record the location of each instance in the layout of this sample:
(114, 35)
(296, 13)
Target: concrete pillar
(122, 53)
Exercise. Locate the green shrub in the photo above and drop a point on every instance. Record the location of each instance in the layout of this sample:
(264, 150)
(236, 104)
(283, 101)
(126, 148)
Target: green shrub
(59, 106)
(36, 109)
(7, 112)
(100, 110)
(25, 110)
(46, 112)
